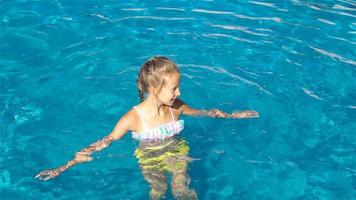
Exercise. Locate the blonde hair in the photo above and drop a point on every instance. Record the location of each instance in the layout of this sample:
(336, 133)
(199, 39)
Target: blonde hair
(152, 74)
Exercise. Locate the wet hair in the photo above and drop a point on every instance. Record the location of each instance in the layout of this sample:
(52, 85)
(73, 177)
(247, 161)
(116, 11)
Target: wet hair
(152, 73)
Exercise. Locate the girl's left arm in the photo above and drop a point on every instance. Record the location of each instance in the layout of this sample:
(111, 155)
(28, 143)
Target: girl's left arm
(84, 155)
(186, 110)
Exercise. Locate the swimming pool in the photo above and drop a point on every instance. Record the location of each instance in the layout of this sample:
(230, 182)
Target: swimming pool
(68, 73)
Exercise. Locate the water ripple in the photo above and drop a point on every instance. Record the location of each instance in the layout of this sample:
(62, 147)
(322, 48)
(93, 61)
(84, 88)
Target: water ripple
(275, 19)
(341, 13)
(294, 63)
(173, 9)
(248, 72)
(213, 12)
(263, 4)
(288, 49)
(348, 2)
(134, 9)
(158, 18)
(326, 21)
(340, 7)
(311, 94)
(342, 39)
(325, 8)
(238, 28)
(101, 16)
(232, 37)
(333, 55)
(221, 70)
(268, 5)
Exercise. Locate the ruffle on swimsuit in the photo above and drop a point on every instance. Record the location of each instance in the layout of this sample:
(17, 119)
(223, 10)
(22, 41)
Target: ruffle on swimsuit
(160, 132)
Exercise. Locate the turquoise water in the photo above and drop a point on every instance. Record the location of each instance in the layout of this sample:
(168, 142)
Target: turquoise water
(68, 71)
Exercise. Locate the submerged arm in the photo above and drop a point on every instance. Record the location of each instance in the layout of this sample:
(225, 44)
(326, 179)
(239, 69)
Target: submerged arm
(81, 156)
(84, 155)
(237, 114)
(185, 109)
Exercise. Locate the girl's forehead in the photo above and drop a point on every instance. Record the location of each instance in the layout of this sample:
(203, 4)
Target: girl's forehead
(173, 79)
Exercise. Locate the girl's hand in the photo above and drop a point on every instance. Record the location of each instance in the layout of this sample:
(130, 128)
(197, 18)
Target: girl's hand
(48, 174)
(245, 114)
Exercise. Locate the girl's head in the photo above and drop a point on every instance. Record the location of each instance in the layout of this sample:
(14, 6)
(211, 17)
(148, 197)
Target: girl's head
(159, 76)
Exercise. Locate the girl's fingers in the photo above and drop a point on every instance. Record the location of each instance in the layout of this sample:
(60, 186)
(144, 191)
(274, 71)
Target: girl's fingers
(46, 175)
(44, 178)
(39, 175)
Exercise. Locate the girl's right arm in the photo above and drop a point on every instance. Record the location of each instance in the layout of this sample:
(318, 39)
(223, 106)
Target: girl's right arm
(122, 127)
(187, 110)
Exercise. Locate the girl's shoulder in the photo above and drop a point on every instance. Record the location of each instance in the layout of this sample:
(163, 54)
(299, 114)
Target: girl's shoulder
(126, 123)
(131, 117)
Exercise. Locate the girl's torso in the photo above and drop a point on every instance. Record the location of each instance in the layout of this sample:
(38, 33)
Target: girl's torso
(160, 132)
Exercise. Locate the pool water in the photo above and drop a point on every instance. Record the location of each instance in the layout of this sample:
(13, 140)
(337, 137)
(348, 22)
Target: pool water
(68, 73)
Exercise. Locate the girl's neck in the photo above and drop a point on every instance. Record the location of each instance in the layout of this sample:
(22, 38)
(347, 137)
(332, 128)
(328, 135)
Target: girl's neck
(154, 106)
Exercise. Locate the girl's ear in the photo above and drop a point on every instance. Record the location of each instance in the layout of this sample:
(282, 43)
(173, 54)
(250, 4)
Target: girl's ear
(152, 90)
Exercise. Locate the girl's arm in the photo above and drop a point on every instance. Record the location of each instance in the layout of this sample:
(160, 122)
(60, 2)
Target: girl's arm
(185, 109)
(122, 126)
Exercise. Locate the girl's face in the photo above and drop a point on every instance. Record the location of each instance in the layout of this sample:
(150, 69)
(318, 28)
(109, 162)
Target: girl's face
(170, 91)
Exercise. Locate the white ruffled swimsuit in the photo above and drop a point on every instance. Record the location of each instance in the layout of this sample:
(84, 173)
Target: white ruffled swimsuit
(160, 132)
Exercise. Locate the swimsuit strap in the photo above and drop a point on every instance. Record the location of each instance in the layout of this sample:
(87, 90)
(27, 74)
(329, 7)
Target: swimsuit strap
(139, 113)
(143, 122)
(171, 113)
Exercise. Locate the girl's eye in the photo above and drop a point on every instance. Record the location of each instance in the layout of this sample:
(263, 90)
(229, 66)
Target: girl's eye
(173, 89)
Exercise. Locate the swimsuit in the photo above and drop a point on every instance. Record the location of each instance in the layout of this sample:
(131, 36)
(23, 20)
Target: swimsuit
(159, 152)
(160, 132)
(168, 155)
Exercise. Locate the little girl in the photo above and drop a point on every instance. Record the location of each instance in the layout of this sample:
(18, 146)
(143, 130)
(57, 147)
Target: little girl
(155, 123)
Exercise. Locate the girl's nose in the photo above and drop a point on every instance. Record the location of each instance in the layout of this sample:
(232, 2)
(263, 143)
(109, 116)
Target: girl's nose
(178, 92)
